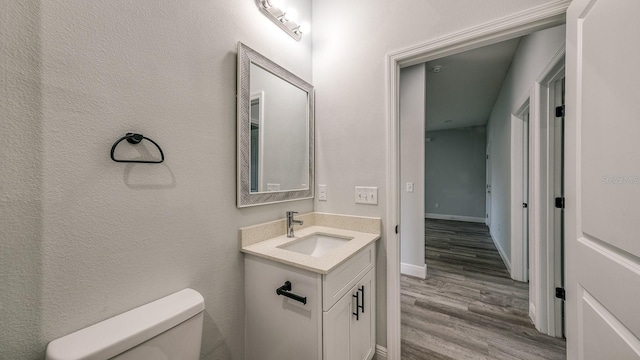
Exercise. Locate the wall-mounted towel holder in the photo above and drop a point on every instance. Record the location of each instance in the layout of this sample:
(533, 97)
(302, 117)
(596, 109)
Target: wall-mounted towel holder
(284, 291)
(134, 139)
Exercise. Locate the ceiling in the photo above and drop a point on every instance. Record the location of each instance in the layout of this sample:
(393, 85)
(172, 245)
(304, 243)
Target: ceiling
(466, 88)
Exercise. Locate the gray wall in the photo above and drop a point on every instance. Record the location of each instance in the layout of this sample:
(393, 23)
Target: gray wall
(412, 114)
(533, 54)
(84, 238)
(455, 172)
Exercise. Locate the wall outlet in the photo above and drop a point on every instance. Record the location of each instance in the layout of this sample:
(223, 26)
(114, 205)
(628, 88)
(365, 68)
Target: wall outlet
(366, 195)
(437, 205)
(409, 187)
(322, 192)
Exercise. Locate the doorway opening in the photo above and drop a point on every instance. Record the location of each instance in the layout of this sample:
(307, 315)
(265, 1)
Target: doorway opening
(483, 35)
(457, 241)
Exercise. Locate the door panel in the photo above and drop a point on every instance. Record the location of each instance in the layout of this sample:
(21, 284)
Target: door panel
(605, 336)
(613, 280)
(603, 180)
(336, 329)
(269, 318)
(363, 327)
(610, 176)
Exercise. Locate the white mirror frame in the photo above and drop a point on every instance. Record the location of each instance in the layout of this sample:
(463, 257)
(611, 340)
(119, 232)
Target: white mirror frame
(247, 56)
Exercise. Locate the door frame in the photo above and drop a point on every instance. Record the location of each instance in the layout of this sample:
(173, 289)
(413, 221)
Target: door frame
(543, 260)
(512, 26)
(519, 246)
(259, 96)
(487, 189)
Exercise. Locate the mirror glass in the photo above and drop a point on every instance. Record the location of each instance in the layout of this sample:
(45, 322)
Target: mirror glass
(275, 132)
(279, 133)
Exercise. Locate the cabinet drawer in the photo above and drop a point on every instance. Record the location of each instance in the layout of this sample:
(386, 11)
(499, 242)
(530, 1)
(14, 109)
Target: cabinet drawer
(337, 282)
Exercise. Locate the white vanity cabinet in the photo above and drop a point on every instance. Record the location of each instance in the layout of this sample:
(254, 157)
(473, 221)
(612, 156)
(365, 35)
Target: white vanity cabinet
(326, 326)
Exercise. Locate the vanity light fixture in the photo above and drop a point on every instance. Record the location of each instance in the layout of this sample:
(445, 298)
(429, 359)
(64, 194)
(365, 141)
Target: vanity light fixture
(286, 20)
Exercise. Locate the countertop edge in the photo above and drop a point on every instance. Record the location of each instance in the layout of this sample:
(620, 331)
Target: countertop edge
(365, 240)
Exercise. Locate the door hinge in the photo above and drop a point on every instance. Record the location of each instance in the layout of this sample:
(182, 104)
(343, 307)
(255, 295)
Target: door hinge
(560, 202)
(396, 229)
(525, 205)
(560, 111)
(560, 293)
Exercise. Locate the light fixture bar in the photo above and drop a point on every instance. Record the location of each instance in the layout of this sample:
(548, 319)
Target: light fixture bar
(279, 17)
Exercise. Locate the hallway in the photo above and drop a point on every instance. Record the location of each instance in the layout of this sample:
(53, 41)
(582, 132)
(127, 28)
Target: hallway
(468, 307)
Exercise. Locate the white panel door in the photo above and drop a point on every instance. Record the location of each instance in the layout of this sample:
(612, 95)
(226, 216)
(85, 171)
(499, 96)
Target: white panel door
(603, 179)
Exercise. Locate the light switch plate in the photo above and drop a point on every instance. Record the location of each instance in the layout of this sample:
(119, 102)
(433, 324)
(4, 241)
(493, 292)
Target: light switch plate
(366, 195)
(409, 187)
(322, 192)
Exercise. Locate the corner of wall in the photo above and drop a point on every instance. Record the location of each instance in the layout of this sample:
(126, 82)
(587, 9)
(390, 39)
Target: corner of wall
(501, 251)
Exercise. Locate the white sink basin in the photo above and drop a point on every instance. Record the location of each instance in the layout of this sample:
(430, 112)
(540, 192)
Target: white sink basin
(316, 245)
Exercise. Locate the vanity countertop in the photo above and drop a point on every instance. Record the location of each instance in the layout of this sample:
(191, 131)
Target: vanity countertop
(269, 249)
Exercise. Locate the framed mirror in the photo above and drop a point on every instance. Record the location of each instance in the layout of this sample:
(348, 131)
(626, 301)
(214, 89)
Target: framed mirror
(275, 132)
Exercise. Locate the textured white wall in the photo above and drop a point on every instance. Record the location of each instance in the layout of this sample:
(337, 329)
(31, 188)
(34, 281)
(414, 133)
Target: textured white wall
(412, 124)
(350, 41)
(534, 52)
(95, 238)
(20, 181)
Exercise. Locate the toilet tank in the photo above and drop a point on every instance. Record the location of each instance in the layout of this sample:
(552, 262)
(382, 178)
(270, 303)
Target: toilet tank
(166, 329)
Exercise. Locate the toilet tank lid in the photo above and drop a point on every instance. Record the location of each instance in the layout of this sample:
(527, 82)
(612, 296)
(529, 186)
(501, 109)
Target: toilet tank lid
(115, 335)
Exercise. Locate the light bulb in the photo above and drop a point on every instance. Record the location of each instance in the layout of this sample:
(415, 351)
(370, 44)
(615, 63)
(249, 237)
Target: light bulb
(304, 27)
(291, 15)
(277, 3)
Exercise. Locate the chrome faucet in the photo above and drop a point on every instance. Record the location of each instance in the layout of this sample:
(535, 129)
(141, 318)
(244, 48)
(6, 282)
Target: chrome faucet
(291, 222)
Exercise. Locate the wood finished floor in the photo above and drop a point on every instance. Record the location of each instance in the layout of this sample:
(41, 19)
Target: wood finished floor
(468, 307)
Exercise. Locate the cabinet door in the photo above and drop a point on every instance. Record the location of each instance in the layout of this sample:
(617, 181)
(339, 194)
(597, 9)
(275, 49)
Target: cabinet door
(362, 329)
(336, 329)
(277, 327)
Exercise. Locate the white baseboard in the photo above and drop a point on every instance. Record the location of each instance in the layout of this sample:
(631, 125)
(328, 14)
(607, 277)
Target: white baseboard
(532, 312)
(503, 255)
(413, 270)
(454, 217)
(381, 352)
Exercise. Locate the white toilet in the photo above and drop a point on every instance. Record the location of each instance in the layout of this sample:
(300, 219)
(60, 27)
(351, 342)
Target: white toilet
(166, 329)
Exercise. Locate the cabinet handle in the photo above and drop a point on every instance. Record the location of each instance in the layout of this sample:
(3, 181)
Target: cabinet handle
(284, 291)
(362, 291)
(357, 314)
